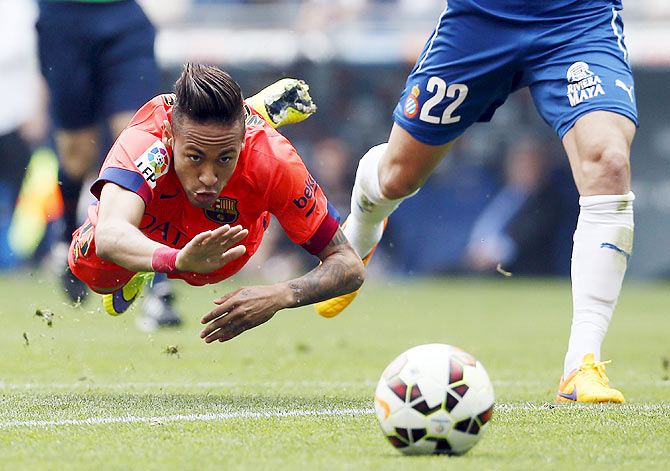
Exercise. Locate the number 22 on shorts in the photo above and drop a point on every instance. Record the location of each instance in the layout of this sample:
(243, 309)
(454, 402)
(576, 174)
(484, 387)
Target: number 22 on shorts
(439, 88)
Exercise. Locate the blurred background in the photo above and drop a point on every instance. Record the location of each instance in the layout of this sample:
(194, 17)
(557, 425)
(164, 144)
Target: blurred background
(503, 195)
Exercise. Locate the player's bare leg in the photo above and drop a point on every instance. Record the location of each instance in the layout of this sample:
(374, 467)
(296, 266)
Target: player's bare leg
(387, 174)
(119, 121)
(598, 148)
(77, 151)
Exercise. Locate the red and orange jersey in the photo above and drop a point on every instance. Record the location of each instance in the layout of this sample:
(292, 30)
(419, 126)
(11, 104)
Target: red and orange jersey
(270, 178)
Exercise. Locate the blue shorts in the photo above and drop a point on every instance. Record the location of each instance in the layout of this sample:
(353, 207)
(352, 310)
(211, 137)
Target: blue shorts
(474, 60)
(97, 58)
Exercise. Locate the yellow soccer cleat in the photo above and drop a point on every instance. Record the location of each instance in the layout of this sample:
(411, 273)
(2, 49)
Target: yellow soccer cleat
(332, 307)
(119, 301)
(588, 383)
(284, 102)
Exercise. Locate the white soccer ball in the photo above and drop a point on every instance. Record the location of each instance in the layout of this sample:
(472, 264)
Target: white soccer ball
(435, 399)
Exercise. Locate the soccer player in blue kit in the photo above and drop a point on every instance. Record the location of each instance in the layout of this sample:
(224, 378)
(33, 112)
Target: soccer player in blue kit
(571, 55)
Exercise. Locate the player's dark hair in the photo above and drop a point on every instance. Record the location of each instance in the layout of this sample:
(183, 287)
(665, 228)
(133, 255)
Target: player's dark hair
(206, 94)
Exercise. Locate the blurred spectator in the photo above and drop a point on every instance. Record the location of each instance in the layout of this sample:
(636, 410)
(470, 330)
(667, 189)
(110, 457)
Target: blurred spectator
(331, 164)
(520, 228)
(431, 230)
(515, 209)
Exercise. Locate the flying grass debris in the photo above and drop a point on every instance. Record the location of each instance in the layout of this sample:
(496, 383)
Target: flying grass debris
(503, 272)
(47, 315)
(171, 350)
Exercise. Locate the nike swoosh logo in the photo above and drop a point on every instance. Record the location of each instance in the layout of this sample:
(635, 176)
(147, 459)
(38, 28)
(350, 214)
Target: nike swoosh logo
(164, 196)
(572, 397)
(120, 303)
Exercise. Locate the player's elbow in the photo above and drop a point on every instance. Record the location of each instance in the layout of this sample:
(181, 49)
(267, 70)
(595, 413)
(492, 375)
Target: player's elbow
(103, 243)
(356, 273)
(102, 249)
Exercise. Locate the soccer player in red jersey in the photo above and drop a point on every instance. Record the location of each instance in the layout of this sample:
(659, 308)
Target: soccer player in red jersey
(188, 188)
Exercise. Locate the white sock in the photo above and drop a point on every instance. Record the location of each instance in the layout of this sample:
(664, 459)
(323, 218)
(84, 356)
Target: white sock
(369, 207)
(603, 242)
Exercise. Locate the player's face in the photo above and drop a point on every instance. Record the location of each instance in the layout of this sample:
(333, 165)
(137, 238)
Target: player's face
(205, 157)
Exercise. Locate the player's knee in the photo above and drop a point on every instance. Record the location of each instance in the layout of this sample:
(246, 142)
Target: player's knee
(615, 163)
(609, 170)
(396, 184)
(119, 121)
(77, 154)
(75, 168)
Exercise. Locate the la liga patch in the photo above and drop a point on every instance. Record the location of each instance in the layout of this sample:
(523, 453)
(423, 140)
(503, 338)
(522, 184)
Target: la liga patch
(153, 163)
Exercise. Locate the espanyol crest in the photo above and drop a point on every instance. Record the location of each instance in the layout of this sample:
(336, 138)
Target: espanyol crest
(412, 103)
(578, 71)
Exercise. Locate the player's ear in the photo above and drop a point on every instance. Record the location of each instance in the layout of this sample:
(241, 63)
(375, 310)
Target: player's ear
(168, 137)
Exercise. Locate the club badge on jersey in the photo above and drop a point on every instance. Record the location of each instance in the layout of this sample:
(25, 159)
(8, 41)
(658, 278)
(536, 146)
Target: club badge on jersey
(223, 211)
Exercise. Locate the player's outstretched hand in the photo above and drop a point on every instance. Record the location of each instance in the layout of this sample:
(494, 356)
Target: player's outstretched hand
(241, 310)
(210, 250)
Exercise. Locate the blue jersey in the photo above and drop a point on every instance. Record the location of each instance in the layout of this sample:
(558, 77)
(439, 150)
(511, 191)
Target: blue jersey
(532, 10)
(570, 54)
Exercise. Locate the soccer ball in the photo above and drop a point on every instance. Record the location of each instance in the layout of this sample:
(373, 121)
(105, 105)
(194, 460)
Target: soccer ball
(434, 398)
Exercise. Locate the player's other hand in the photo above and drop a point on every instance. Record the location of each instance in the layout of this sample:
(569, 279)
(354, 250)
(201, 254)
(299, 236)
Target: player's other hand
(241, 310)
(210, 250)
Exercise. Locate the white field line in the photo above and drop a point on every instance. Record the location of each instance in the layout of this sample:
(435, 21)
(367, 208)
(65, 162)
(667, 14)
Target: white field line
(91, 384)
(246, 414)
(498, 407)
(158, 420)
(88, 384)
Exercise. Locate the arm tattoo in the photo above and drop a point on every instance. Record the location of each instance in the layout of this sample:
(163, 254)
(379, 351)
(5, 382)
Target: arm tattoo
(338, 239)
(333, 277)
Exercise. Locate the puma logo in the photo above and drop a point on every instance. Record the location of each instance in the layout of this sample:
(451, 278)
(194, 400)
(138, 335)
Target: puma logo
(628, 90)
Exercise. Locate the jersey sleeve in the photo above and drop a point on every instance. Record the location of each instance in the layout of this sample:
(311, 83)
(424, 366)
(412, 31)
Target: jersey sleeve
(136, 162)
(299, 203)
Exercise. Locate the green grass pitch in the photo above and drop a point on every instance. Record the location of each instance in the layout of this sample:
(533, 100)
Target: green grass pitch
(91, 392)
